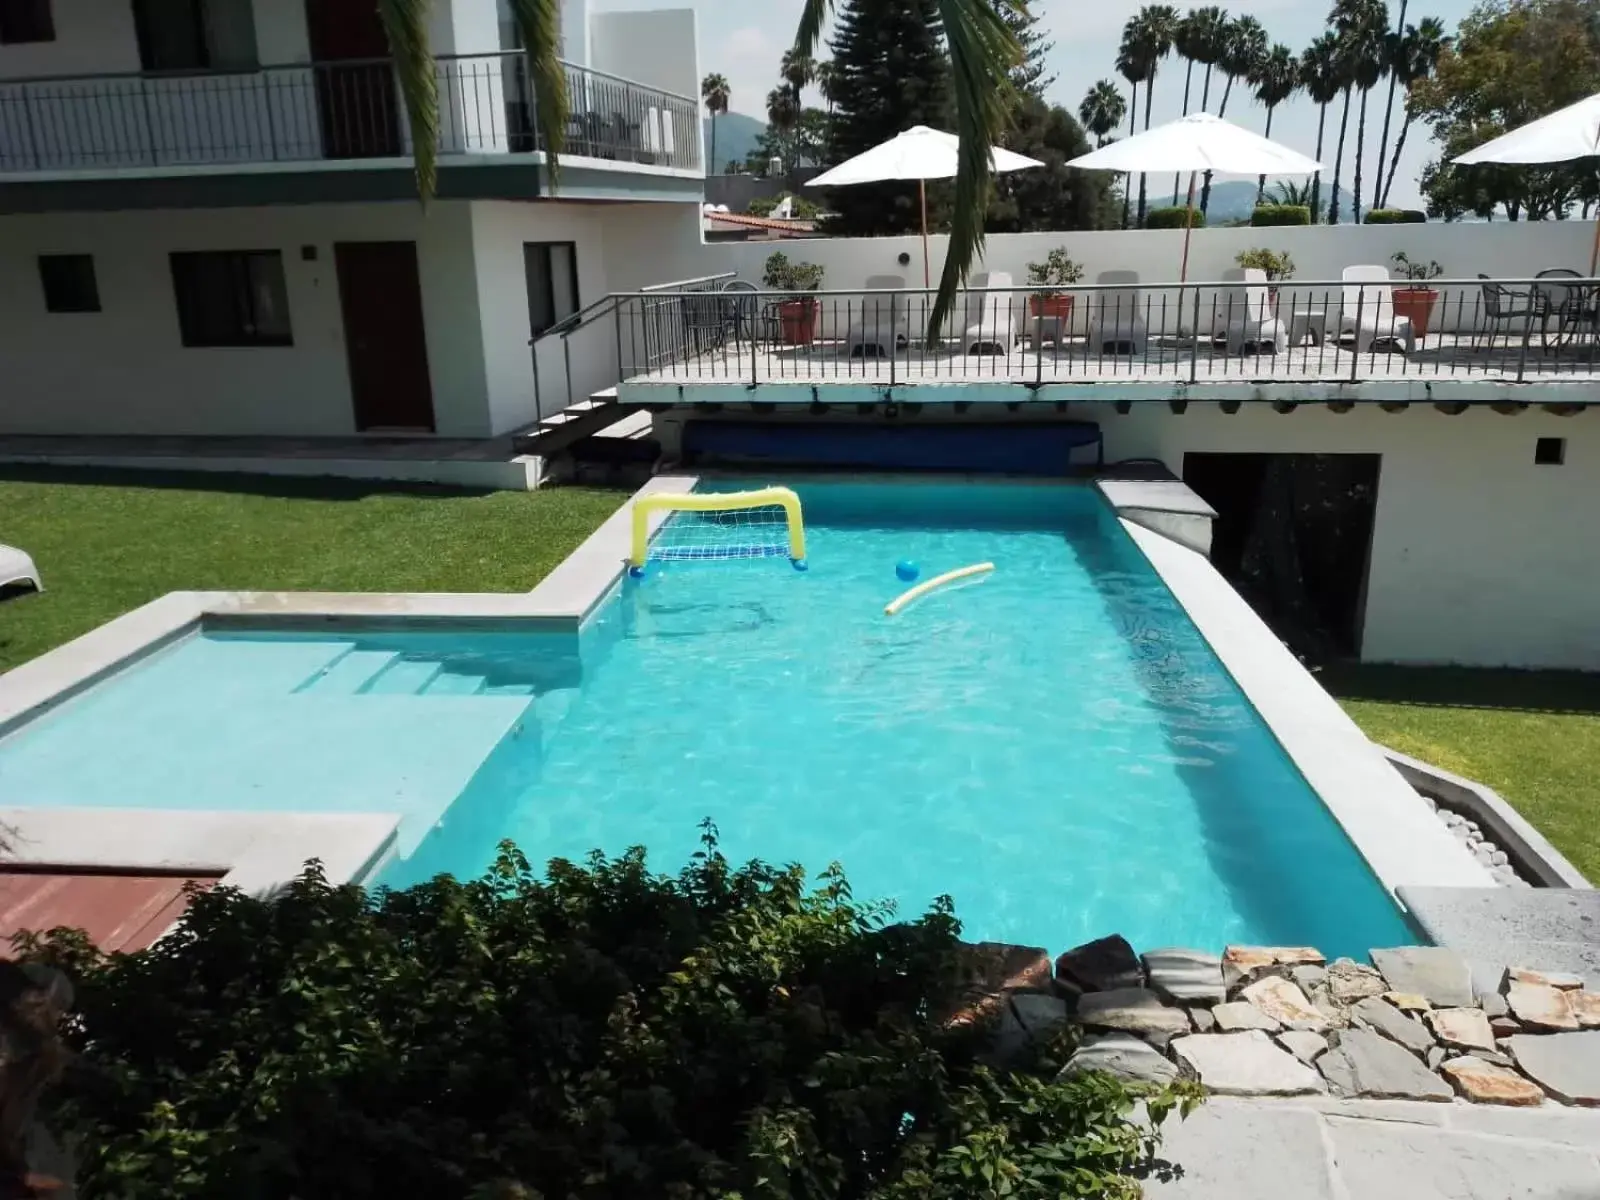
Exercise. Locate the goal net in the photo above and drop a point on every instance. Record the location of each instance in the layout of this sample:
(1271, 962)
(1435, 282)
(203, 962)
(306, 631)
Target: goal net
(709, 527)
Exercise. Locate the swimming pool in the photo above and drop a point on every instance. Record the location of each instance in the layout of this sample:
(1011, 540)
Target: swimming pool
(1056, 747)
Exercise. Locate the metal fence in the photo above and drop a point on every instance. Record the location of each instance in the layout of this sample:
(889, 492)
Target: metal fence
(328, 110)
(1512, 329)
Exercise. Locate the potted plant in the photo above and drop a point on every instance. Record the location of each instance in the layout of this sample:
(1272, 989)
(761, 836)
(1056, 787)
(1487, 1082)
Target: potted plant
(1057, 270)
(1415, 299)
(797, 313)
(1276, 263)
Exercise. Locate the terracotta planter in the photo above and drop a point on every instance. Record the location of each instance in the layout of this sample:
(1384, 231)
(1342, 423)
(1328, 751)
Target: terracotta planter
(797, 319)
(1416, 303)
(1054, 305)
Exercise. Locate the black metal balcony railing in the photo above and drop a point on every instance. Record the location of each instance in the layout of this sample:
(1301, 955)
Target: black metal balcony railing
(1485, 331)
(327, 110)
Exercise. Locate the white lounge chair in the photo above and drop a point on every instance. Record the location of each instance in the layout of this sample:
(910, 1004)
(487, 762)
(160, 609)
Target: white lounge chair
(1214, 304)
(17, 567)
(1251, 320)
(1366, 310)
(992, 317)
(884, 322)
(1116, 314)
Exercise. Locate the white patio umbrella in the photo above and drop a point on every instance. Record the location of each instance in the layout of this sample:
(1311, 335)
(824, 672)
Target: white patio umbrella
(919, 153)
(1198, 142)
(1569, 133)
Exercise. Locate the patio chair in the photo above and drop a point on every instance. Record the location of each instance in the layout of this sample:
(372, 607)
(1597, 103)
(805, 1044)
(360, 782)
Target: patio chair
(16, 567)
(1116, 316)
(1213, 311)
(992, 317)
(884, 322)
(1251, 319)
(1366, 310)
(1572, 304)
(1502, 305)
(741, 308)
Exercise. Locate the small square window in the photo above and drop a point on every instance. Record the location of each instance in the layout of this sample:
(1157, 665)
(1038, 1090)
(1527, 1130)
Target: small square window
(26, 21)
(69, 285)
(1549, 452)
(231, 298)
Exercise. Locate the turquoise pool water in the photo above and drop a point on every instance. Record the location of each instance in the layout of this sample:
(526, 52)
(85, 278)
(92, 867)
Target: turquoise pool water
(1055, 747)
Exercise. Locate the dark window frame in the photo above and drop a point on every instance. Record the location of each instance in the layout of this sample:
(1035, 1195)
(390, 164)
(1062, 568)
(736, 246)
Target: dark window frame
(69, 283)
(1550, 452)
(26, 21)
(234, 319)
(201, 57)
(550, 276)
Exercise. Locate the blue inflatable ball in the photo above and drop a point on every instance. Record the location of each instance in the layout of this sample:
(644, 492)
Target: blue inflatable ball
(907, 570)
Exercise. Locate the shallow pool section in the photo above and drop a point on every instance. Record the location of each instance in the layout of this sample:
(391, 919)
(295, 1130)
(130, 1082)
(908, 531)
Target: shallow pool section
(1055, 746)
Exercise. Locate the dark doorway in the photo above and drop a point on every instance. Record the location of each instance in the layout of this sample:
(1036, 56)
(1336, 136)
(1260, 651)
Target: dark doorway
(385, 343)
(1293, 534)
(355, 98)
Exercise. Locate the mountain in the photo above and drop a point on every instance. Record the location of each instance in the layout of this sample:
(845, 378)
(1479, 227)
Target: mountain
(737, 136)
(1235, 199)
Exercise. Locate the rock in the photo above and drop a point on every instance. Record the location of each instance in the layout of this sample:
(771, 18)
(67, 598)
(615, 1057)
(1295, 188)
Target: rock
(1245, 1064)
(1586, 1008)
(1373, 1013)
(1122, 1055)
(1435, 1056)
(1505, 1026)
(1285, 1003)
(1485, 1083)
(1366, 1064)
(1567, 1065)
(1555, 979)
(1433, 805)
(1237, 1014)
(1191, 976)
(1483, 854)
(1303, 1044)
(1204, 1022)
(1408, 1001)
(992, 970)
(1241, 964)
(1040, 1014)
(1493, 1056)
(1132, 1010)
(1499, 858)
(1493, 1005)
(1540, 1006)
(1309, 978)
(1467, 1028)
(1101, 966)
(1439, 974)
(1351, 981)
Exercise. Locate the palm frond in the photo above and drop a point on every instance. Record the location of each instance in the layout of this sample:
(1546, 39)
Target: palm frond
(405, 24)
(540, 24)
(983, 52)
(810, 31)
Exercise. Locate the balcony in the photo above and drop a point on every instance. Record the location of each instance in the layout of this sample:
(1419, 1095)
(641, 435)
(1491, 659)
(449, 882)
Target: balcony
(328, 111)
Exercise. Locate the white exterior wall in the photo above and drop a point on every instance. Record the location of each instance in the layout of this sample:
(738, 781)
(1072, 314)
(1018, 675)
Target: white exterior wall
(658, 49)
(125, 370)
(1478, 556)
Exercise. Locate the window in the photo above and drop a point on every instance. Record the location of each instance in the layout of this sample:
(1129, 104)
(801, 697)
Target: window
(552, 270)
(231, 298)
(194, 35)
(69, 285)
(1549, 452)
(26, 21)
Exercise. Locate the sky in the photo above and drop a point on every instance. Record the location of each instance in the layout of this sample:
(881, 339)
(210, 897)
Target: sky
(744, 39)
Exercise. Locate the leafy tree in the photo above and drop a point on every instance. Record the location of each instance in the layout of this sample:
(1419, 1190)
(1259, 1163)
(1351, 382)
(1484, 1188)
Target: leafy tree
(714, 91)
(1054, 196)
(1513, 61)
(1148, 38)
(594, 1031)
(982, 52)
(1030, 77)
(1276, 79)
(892, 75)
(1320, 77)
(1415, 56)
(800, 142)
(1101, 110)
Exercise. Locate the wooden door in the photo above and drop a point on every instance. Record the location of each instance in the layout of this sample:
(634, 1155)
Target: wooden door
(355, 99)
(384, 338)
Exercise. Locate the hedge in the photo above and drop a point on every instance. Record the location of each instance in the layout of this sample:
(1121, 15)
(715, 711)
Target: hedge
(1281, 214)
(1395, 216)
(1172, 218)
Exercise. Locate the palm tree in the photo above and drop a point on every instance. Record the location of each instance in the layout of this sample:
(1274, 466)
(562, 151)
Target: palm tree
(1244, 46)
(1393, 54)
(1131, 65)
(1188, 39)
(983, 52)
(1320, 78)
(797, 70)
(1149, 35)
(1276, 79)
(1363, 28)
(1208, 41)
(1287, 192)
(1344, 65)
(783, 114)
(827, 80)
(714, 90)
(1102, 110)
(1420, 49)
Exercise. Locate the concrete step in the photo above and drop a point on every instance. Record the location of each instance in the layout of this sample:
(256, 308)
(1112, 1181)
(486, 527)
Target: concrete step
(577, 421)
(552, 707)
(347, 675)
(403, 677)
(509, 689)
(452, 683)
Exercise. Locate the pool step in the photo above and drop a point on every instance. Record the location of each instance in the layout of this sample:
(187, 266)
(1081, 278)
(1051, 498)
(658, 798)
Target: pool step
(552, 707)
(509, 689)
(403, 677)
(346, 674)
(453, 683)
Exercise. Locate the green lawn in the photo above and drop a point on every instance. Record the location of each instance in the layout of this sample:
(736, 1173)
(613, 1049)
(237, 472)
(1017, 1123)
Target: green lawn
(1533, 736)
(107, 543)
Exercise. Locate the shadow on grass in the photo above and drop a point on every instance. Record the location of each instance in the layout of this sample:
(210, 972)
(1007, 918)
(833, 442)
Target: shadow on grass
(1465, 687)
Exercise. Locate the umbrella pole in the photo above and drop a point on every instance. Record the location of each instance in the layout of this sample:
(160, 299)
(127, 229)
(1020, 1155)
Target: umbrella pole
(1188, 225)
(1594, 251)
(922, 194)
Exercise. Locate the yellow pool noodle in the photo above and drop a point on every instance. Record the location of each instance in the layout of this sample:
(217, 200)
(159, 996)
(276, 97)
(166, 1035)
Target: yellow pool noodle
(922, 589)
(782, 497)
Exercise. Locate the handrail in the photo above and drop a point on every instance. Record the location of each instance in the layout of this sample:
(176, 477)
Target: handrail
(657, 288)
(1288, 285)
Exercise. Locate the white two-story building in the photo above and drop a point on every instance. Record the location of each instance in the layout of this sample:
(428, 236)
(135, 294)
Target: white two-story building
(209, 220)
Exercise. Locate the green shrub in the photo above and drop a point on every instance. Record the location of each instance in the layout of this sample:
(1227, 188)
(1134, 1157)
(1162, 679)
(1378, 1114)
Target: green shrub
(597, 1032)
(781, 275)
(1172, 218)
(1385, 216)
(1281, 214)
(1276, 263)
